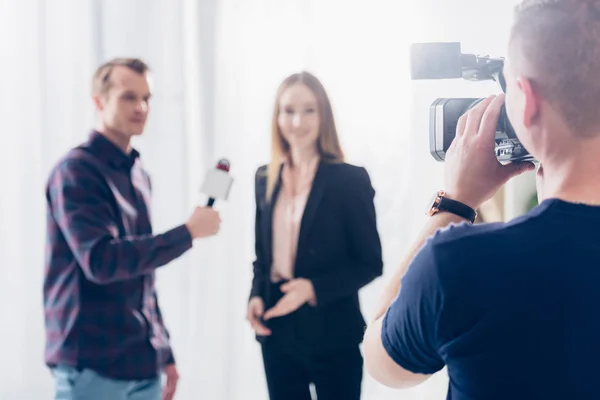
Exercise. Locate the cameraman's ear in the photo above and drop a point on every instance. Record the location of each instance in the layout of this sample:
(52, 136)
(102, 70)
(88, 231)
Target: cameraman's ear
(531, 101)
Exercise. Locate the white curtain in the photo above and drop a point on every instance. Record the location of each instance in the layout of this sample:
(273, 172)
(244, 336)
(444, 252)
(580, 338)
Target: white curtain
(216, 66)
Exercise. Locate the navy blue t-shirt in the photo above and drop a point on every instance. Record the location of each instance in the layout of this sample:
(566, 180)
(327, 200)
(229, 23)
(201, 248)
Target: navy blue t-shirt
(512, 310)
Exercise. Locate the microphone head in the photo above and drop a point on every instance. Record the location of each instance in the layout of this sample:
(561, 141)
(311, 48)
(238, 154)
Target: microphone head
(217, 182)
(223, 164)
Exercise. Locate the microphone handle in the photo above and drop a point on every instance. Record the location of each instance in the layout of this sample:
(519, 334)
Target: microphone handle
(211, 201)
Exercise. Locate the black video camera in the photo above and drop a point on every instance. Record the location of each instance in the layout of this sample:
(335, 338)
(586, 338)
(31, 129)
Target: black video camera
(446, 61)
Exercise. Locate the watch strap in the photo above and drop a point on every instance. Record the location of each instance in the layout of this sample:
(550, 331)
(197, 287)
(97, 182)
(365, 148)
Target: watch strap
(457, 208)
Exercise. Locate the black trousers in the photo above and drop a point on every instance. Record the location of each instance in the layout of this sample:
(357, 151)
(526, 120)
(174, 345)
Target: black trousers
(290, 368)
(336, 376)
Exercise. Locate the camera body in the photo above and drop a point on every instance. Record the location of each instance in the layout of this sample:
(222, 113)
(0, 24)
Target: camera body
(446, 61)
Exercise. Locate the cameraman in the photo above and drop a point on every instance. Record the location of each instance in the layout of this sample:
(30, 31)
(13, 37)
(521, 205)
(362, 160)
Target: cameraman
(511, 309)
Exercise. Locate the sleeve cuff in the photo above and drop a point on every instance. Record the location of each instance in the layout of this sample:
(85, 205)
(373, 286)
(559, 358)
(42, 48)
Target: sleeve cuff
(253, 295)
(391, 347)
(180, 237)
(256, 290)
(170, 359)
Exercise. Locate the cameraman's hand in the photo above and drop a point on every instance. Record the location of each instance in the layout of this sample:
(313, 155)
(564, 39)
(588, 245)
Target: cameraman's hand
(203, 222)
(473, 174)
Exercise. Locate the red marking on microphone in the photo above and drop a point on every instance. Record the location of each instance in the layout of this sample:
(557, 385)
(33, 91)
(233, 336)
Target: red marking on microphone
(223, 165)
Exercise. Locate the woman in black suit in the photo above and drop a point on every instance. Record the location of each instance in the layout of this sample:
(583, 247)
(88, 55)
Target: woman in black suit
(316, 245)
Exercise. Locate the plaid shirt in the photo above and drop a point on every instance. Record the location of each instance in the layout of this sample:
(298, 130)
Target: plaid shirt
(101, 309)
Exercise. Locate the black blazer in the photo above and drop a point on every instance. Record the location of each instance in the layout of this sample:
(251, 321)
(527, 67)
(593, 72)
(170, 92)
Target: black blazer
(339, 250)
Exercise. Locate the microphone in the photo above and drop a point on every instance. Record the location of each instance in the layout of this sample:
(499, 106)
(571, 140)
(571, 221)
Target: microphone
(217, 182)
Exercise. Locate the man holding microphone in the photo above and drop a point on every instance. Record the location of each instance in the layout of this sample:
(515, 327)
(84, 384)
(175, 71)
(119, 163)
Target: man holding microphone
(105, 336)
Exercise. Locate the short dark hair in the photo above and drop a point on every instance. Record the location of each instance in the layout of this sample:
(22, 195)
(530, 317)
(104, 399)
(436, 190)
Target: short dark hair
(557, 43)
(101, 81)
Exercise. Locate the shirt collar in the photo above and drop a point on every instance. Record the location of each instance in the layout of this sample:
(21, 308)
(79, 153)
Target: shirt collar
(109, 153)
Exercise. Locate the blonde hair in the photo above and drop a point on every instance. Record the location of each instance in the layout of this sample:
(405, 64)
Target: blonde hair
(557, 47)
(328, 143)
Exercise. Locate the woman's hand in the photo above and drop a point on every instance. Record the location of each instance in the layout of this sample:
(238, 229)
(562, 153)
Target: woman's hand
(297, 293)
(256, 308)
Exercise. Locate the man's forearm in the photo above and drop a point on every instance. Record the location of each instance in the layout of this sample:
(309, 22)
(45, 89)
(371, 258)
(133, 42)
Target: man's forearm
(391, 290)
(108, 261)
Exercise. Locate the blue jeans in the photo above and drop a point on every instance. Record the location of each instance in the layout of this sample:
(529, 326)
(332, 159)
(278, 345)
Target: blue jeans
(72, 384)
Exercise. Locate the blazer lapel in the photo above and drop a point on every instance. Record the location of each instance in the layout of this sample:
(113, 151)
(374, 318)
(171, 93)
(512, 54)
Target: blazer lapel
(268, 219)
(312, 204)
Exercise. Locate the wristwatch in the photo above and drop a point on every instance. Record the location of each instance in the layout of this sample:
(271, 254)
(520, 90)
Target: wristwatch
(443, 203)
